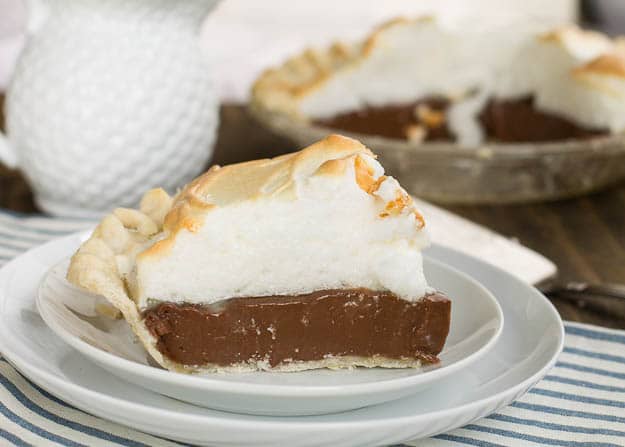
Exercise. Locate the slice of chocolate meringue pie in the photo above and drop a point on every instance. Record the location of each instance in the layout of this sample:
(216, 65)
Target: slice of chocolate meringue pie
(308, 260)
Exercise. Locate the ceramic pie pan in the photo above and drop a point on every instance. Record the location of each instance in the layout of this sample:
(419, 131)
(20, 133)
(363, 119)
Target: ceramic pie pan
(487, 174)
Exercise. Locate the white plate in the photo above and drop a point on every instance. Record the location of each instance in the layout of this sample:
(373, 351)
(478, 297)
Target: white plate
(477, 322)
(529, 344)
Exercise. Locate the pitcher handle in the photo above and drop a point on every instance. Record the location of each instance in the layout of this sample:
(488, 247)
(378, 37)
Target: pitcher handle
(8, 155)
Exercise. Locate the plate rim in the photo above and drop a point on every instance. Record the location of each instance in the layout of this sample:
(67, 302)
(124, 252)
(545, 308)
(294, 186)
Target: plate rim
(267, 424)
(208, 384)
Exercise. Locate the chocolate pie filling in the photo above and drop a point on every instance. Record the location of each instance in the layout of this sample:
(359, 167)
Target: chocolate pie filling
(396, 120)
(518, 121)
(314, 326)
(507, 121)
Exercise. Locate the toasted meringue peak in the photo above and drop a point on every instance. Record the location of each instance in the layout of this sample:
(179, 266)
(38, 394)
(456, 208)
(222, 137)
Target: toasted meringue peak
(585, 43)
(609, 65)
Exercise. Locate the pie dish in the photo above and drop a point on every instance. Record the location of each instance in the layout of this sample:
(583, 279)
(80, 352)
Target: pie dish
(308, 260)
(424, 80)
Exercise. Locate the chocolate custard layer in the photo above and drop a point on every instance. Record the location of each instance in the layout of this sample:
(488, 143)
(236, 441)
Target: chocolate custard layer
(507, 121)
(283, 329)
(396, 120)
(518, 121)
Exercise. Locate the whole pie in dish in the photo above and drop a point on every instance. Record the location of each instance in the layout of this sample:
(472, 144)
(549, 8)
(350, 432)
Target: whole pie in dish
(308, 260)
(425, 80)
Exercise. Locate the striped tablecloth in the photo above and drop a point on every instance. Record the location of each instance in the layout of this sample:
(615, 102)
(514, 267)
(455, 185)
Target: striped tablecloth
(581, 403)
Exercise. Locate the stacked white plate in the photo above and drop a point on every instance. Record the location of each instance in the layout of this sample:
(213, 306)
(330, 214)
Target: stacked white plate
(95, 364)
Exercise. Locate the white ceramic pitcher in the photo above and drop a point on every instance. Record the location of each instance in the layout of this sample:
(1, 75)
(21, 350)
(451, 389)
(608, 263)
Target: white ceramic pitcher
(109, 97)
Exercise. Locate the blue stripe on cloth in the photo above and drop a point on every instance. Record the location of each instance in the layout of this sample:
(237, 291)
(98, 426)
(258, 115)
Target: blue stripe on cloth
(65, 404)
(38, 388)
(584, 384)
(41, 219)
(37, 430)
(49, 396)
(46, 231)
(60, 402)
(13, 439)
(552, 426)
(588, 369)
(30, 238)
(565, 412)
(596, 335)
(24, 400)
(468, 441)
(595, 355)
(35, 229)
(11, 253)
(576, 398)
(537, 439)
(17, 215)
(17, 247)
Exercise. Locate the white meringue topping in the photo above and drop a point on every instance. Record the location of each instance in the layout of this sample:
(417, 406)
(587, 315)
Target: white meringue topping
(323, 218)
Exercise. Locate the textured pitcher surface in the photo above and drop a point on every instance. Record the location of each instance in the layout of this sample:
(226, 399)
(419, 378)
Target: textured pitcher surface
(110, 98)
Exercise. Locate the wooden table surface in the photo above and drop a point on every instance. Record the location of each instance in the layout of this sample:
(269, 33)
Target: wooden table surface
(585, 237)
